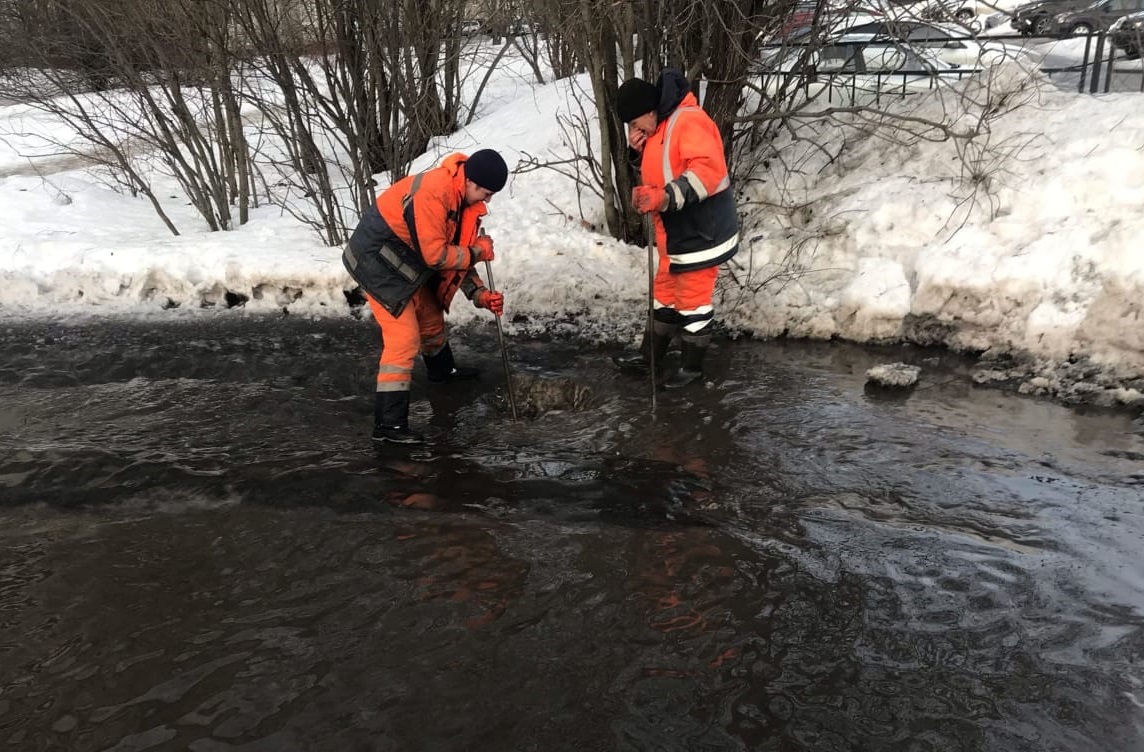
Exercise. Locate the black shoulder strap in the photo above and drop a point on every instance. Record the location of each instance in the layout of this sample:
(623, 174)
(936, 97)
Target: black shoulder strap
(407, 211)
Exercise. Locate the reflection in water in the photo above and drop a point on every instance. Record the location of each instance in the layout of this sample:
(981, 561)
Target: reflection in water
(199, 550)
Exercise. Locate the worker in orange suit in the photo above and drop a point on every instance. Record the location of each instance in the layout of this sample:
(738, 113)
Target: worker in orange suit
(686, 189)
(412, 250)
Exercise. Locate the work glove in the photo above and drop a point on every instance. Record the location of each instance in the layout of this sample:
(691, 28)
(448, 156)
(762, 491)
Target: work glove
(648, 198)
(482, 249)
(491, 300)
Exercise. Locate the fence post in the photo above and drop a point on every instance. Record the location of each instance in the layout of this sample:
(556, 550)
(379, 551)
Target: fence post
(1111, 65)
(1097, 60)
(1084, 65)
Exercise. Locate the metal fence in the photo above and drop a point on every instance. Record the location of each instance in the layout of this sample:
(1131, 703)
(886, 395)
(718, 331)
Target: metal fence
(1101, 69)
(1100, 58)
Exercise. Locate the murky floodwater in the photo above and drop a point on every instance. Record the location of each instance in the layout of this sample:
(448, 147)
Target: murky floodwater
(199, 550)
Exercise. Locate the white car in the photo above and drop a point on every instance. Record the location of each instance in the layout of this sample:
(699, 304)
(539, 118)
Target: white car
(948, 42)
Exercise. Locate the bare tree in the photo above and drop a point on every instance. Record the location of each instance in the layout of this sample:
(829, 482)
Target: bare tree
(159, 75)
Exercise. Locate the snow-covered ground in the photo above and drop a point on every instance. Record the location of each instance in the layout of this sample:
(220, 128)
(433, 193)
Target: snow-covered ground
(1033, 256)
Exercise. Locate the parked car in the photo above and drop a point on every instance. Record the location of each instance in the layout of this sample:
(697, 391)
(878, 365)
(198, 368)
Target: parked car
(1128, 34)
(799, 21)
(949, 43)
(1096, 17)
(520, 27)
(471, 27)
(963, 12)
(1036, 18)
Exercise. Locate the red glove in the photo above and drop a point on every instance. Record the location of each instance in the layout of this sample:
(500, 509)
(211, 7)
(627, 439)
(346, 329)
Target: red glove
(648, 198)
(490, 299)
(482, 249)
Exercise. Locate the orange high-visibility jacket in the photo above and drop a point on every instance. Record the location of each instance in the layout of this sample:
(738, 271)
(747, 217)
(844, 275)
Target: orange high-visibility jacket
(419, 228)
(700, 226)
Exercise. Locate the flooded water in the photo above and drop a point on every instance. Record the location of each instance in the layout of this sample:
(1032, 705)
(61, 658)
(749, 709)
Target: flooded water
(200, 550)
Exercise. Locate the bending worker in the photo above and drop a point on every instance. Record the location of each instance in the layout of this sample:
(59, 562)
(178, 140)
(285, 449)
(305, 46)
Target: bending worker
(412, 250)
(686, 189)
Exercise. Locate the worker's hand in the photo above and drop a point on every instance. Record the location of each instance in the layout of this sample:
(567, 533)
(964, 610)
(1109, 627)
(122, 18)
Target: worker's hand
(482, 249)
(491, 300)
(648, 198)
(637, 138)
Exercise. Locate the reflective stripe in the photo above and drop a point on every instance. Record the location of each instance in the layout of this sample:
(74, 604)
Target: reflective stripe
(413, 188)
(350, 257)
(462, 258)
(698, 319)
(393, 258)
(393, 378)
(668, 176)
(696, 184)
(709, 254)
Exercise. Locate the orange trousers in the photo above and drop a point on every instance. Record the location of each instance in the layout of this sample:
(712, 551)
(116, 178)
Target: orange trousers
(690, 293)
(419, 329)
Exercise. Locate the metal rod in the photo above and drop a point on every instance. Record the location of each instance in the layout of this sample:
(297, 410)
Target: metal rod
(1084, 65)
(649, 229)
(1098, 60)
(503, 349)
(1111, 65)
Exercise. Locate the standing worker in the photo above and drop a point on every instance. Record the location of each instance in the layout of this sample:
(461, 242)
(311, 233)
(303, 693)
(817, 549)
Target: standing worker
(686, 189)
(412, 250)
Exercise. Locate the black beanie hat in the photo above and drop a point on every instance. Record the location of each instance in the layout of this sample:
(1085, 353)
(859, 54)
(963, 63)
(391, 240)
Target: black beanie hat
(487, 169)
(636, 97)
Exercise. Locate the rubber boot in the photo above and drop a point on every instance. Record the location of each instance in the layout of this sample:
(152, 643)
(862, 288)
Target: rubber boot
(441, 369)
(655, 344)
(694, 349)
(391, 419)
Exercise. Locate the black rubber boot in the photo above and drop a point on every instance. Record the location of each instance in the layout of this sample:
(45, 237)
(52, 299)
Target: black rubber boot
(441, 369)
(691, 366)
(391, 419)
(655, 344)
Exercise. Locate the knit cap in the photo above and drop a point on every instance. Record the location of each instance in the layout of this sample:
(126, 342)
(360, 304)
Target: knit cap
(487, 169)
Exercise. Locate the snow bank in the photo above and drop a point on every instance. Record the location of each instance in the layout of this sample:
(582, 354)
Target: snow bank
(1031, 254)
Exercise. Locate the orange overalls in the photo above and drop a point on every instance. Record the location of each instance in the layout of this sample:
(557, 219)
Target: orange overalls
(699, 230)
(411, 255)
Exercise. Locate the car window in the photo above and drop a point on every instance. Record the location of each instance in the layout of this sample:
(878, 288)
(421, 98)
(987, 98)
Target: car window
(838, 58)
(901, 29)
(934, 38)
(884, 59)
(926, 33)
(1121, 6)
